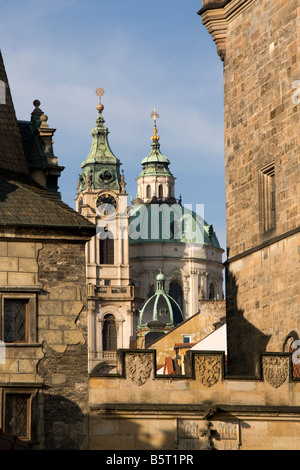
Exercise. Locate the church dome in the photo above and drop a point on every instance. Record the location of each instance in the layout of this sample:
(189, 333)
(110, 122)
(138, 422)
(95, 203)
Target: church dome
(174, 224)
(161, 309)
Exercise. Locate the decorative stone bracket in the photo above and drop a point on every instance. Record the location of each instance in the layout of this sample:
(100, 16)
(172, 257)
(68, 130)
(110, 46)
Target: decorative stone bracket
(216, 14)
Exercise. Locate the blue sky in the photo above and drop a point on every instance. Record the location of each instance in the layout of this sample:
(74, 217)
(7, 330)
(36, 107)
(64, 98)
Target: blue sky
(145, 55)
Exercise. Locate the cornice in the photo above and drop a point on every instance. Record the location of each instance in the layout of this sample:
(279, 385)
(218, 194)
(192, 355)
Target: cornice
(216, 15)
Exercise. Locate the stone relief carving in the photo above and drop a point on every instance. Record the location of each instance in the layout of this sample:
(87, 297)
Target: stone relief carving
(207, 435)
(139, 367)
(226, 435)
(208, 369)
(275, 369)
(194, 435)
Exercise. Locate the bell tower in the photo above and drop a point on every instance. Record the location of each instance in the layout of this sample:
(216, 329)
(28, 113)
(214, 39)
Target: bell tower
(156, 181)
(102, 199)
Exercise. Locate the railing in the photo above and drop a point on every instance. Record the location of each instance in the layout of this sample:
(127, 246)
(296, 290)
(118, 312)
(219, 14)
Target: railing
(107, 355)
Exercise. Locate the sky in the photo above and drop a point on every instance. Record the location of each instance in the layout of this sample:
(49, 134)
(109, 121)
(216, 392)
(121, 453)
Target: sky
(144, 55)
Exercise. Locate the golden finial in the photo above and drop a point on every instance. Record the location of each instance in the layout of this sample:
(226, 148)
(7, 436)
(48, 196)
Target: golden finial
(100, 92)
(154, 115)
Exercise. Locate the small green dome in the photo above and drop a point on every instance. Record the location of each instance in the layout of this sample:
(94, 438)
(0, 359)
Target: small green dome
(160, 308)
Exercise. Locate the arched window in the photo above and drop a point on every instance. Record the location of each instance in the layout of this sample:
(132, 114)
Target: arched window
(109, 333)
(160, 191)
(175, 291)
(148, 191)
(107, 255)
(211, 293)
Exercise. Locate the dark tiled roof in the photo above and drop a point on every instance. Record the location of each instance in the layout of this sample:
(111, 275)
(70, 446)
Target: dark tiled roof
(11, 149)
(24, 202)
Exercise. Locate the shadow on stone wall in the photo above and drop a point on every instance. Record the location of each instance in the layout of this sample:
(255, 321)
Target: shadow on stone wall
(245, 343)
(125, 434)
(62, 404)
(65, 426)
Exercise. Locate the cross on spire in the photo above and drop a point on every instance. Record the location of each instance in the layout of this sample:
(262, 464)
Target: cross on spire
(100, 92)
(154, 115)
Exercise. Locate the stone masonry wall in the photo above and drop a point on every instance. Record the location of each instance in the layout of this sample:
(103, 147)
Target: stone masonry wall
(139, 410)
(261, 119)
(52, 365)
(259, 43)
(62, 330)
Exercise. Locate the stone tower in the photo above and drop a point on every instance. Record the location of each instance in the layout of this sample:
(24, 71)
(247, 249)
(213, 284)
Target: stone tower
(102, 199)
(258, 42)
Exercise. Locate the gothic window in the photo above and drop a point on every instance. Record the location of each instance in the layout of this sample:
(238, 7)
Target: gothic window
(148, 191)
(107, 250)
(267, 203)
(211, 293)
(160, 191)
(109, 333)
(16, 414)
(175, 291)
(15, 320)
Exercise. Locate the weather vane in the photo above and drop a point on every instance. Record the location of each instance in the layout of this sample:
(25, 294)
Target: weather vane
(154, 115)
(100, 92)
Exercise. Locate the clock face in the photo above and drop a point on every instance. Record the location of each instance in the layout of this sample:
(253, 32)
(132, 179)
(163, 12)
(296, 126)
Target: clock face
(106, 204)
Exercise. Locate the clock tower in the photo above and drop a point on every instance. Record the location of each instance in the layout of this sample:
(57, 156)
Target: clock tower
(102, 199)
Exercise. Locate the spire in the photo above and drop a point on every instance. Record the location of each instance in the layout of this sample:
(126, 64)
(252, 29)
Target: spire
(101, 164)
(155, 163)
(11, 148)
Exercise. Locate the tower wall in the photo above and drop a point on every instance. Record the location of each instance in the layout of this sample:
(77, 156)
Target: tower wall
(259, 44)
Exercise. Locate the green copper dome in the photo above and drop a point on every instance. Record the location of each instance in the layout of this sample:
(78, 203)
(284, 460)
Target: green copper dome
(169, 223)
(160, 308)
(155, 164)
